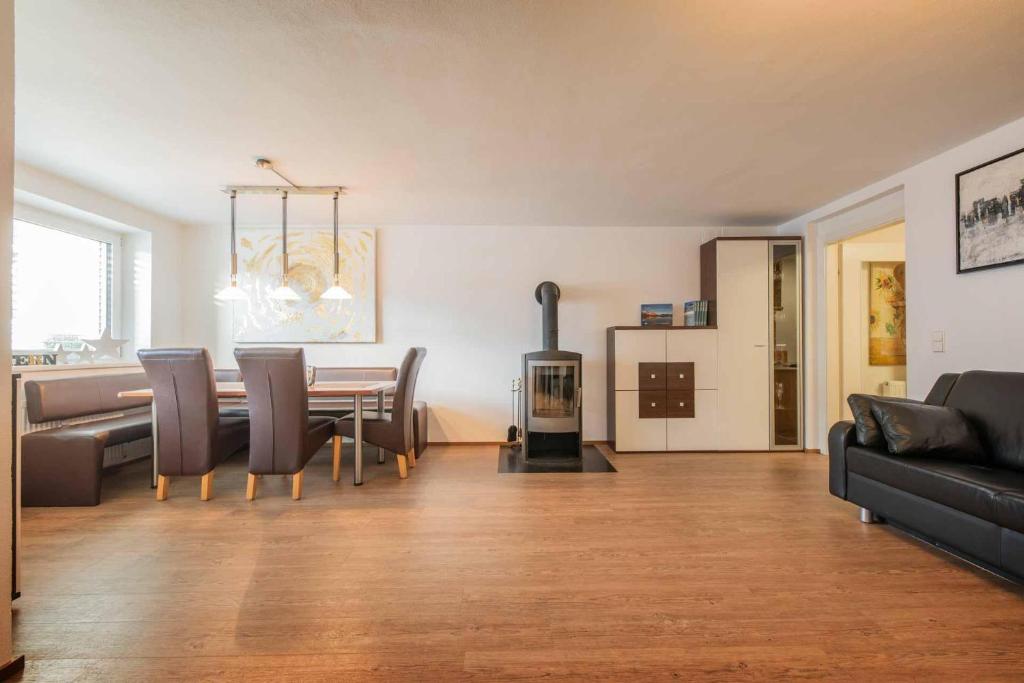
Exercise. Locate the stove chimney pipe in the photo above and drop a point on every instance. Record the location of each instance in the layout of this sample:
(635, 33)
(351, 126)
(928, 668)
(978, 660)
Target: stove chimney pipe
(547, 295)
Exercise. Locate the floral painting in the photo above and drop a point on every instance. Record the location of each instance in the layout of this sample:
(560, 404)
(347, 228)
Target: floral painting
(310, 272)
(887, 323)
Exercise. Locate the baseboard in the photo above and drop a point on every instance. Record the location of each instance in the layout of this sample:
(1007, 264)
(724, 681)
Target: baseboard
(813, 450)
(497, 443)
(15, 666)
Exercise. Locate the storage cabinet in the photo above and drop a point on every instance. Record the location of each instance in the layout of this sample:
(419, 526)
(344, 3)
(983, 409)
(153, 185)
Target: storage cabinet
(658, 380)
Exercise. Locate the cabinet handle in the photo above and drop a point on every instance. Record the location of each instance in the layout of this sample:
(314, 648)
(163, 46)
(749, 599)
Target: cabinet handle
(682, 404)
(682, 376)
(760, 346)
(654, 405)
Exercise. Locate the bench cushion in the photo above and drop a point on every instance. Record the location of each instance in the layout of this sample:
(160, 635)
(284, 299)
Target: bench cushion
(70, 397)
(112, 431)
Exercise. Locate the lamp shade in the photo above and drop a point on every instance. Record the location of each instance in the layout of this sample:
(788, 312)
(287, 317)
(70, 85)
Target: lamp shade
(284, 293)
(336, 292)
(231, 293)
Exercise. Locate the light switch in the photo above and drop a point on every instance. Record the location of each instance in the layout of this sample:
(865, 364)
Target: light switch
(938, 341)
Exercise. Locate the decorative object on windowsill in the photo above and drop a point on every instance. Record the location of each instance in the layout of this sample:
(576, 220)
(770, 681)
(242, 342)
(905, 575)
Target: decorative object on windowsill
(33, 358)
(887, 318)
(105, 347)
(990, 214)
(655, 315)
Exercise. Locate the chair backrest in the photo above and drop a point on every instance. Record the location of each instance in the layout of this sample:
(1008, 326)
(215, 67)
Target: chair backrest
(227, 375)
(68, 397)
(401, 407)
(186, 409)
(275, 386)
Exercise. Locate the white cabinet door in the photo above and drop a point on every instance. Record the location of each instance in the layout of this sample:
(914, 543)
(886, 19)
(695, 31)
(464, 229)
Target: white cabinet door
(699, 347)
(743, 309)
(633, 433)
(633, 347)
(697, 433)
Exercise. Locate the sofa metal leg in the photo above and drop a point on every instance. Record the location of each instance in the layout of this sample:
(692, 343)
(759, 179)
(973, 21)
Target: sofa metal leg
(868, 517)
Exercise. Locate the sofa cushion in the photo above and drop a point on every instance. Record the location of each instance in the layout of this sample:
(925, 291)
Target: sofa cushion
(112, 431)
(869, 432)
(933, 431)
(1010, 509)
(967, 487)
(69, 397)
(994, 403)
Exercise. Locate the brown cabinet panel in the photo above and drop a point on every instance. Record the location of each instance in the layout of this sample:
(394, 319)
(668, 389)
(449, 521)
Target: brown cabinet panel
(679, 403)
(651, 375)
(680, 376)
(652, 404)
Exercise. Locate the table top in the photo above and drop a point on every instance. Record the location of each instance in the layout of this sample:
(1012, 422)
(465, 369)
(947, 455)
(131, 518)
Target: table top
(320, 389)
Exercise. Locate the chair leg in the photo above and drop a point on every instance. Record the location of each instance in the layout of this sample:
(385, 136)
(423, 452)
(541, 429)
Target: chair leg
(337, 458)
(297, 485)
(403, 472)
(162, 485)
(206, 486)
(412, 458)
(250, 487)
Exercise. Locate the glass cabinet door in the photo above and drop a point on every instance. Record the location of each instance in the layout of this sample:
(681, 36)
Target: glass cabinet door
(786, 273)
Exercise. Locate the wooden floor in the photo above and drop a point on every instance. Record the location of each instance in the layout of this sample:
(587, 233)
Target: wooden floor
(678, 567)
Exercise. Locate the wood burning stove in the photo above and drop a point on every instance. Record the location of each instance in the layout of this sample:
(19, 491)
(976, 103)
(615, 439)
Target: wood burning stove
(552, 381)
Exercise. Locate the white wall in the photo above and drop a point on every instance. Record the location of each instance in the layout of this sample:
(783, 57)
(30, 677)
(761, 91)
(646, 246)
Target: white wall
(466, 294)
(151, 254)
(979, 312)
(6, 215)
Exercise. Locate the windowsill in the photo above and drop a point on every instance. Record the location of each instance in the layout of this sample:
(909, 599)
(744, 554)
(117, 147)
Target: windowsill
(16, 369)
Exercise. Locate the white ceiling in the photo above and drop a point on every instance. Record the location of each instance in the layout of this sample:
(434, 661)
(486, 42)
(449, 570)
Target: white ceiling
(567, 112)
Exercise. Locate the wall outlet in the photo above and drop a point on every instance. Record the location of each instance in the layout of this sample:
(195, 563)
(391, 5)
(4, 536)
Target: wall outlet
(938, 341)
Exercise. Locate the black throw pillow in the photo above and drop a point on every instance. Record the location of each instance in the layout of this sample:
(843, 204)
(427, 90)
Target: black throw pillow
(923, 430)
(869, 433)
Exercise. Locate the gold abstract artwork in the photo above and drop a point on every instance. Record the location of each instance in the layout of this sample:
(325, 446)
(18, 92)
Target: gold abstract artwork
(310, 272)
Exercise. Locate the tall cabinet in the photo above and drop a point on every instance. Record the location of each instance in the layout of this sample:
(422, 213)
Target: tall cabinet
(754, 286)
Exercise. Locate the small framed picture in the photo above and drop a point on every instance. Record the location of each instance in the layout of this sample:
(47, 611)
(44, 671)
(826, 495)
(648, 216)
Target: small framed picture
(655, 315)
(990, 214)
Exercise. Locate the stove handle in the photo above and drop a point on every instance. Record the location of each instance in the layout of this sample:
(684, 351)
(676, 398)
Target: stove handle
(579, 397)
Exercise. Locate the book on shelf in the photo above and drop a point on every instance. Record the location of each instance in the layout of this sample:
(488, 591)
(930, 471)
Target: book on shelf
(695, 313)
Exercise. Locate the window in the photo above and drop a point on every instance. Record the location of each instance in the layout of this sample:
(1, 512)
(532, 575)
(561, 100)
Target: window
(61, 288)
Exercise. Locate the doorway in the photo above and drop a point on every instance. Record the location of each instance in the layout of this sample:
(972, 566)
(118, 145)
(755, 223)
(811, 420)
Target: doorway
(866, 317)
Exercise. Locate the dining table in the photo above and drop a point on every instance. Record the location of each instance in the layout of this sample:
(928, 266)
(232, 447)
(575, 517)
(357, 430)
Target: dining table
(319, 392)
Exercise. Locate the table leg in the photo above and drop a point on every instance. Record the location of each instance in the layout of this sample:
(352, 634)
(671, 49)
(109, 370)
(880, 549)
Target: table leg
(358, 435)
(380, 413)
(156, 449)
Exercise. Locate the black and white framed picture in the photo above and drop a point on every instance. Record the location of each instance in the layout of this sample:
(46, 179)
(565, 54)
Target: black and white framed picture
(990, 214)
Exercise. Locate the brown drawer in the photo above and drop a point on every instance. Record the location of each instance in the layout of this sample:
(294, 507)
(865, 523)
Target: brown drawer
(651, 376)
(679, 403)
(652, 404)
(679, 376)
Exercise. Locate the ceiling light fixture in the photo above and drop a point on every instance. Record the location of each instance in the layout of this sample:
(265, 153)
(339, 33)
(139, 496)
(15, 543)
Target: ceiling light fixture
(336, 291)
(232, 292)
(268, 165)
(284, 292)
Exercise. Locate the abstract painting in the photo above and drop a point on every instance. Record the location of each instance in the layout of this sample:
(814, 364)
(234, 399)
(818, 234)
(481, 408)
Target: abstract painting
(887, 320)
(311, 271)
(990, 214)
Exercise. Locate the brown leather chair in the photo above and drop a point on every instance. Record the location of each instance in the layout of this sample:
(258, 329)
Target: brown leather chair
(392, 431)
(283, 434)
(193, 437)
(63, 465)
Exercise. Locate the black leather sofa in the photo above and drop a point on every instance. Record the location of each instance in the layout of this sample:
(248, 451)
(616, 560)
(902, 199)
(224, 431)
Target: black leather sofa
(975, 511)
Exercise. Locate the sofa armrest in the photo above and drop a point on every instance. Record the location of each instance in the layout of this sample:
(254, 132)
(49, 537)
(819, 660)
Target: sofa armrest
(840, 437)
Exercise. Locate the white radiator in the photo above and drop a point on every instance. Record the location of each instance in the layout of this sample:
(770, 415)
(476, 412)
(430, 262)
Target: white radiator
(894, 387)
